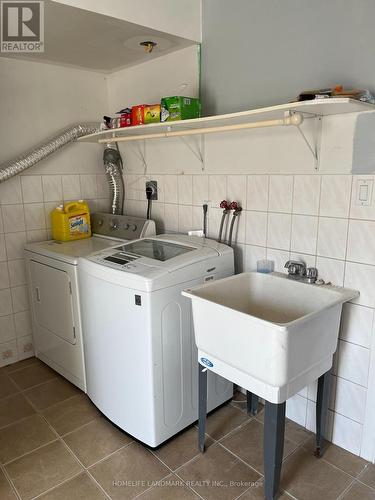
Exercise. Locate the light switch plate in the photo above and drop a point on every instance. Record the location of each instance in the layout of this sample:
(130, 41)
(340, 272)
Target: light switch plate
(364, 191)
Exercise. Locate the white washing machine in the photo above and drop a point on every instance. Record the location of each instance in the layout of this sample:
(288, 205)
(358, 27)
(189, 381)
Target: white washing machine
(141, 358)
(54, 292)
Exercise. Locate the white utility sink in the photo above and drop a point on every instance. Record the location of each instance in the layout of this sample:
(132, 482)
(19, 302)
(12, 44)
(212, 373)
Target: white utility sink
(266, 332)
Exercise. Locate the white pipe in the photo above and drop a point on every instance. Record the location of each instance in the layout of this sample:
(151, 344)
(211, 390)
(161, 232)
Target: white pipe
(293, 119)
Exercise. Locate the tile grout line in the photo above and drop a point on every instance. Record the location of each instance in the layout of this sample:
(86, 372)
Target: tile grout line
(318, 226)
(346, 490)
(70, 451)
(107, 456)
(58, 438)
(56, 486)
(29, 452)
(358, 479)
(11, 483)
(98, 484)
(171, 472)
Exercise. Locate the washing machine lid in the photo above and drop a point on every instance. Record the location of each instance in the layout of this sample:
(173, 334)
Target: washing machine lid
(71, 251)
(161, 261)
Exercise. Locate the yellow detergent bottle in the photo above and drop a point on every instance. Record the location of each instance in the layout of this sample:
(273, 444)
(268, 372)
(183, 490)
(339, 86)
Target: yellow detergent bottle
(71, 221)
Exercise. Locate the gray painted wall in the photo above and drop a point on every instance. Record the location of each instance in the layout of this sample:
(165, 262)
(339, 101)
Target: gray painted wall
(263, 52)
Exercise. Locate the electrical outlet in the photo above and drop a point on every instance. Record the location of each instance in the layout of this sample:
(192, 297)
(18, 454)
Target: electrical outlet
(364, 192)
(153, 186)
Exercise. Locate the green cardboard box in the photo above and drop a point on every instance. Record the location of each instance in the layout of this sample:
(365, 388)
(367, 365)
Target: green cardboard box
(179, 108)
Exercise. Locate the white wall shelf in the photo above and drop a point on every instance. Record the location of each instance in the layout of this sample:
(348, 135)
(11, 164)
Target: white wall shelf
(279, 115)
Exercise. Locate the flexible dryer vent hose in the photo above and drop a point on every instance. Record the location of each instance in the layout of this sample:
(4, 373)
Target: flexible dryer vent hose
(113, 169)
(32, 157)
(112, 160)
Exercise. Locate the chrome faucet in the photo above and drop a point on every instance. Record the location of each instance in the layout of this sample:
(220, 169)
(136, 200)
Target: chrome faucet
(297, 270)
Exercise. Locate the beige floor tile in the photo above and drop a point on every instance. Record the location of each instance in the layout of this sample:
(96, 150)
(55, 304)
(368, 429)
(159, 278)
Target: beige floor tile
(170, 488)
(296, 433)
(81, 487)
(71, 414)
(52, 392)
(22, 364)
(239, 401)
(247, 443)
(224, 420)
(6, 491)
(309, 478)
(218, 475)
(14, 408)
(368, 476)
(32, 375)
(256, 492)
(181, 449)
(96, 440)
(42, 469)
(344, 460)
(7, 387)
(24, 436)
(128, 472)
(359, 492)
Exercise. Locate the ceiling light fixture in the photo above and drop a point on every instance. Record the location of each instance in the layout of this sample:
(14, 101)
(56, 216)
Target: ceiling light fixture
(148, 46)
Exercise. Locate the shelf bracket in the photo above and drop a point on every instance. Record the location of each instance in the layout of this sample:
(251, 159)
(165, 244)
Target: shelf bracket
(314, 147)
(198, 150)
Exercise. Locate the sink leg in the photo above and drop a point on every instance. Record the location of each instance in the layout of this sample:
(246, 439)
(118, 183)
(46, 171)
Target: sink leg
(322, 400)
(273, 443)
(202, 406)
(252, 401)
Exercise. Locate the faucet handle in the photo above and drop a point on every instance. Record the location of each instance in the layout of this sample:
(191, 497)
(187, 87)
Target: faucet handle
(311, 274)
(295, 267)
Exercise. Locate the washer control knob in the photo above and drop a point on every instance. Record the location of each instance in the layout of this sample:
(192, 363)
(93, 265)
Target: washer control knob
(100, 222)
(126, 226)
(133, 227)
(113, 224)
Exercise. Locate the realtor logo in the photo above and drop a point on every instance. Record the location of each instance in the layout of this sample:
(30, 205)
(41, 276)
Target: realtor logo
(22, 26)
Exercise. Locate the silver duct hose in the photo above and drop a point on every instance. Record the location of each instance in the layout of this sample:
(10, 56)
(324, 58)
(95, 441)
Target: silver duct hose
(113, 169)
(30, 158)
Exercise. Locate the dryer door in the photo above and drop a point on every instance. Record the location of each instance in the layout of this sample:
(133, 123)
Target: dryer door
(52, 300)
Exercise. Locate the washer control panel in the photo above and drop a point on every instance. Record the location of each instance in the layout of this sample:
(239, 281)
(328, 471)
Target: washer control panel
(123, 227)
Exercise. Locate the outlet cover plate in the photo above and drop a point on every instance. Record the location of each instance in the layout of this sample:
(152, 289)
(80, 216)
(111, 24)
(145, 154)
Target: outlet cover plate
(154, 186)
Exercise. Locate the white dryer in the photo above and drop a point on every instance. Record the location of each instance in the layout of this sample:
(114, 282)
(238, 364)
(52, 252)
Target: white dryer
(54, 292)
(141, 358)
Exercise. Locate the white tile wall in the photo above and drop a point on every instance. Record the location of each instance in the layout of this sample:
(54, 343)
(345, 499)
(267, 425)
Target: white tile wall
(256, 228)
(335, 195)
(361, 241)
(353, 362)
(356, 324)
(304, 233)
(26, 202)
(257, 192)
(350, 400)
(332, 237)
(347, 433)
(200, 189)
(280, 193)
(306, 194)
(279, 231)
(300, 216)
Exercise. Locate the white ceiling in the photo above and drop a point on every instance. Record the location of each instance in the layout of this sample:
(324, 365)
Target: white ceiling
(79, 38)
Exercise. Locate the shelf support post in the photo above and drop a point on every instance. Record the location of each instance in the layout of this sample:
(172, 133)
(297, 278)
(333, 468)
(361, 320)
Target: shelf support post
(315, 147)
(198, 151)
